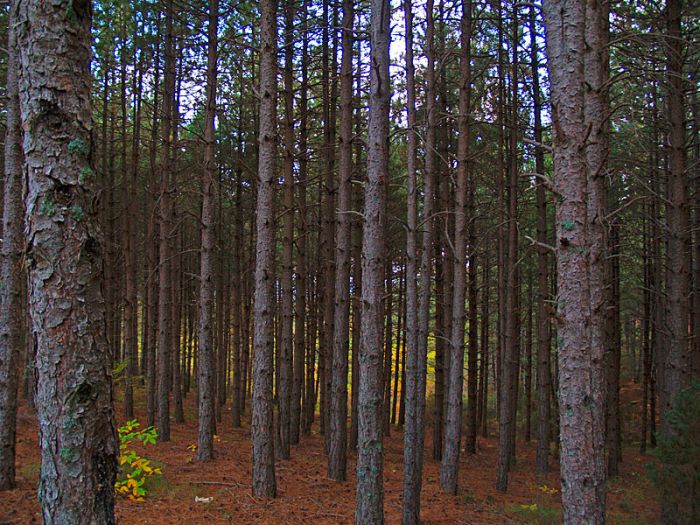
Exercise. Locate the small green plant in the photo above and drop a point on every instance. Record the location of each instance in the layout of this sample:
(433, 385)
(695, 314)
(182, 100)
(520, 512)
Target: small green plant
(134, 469)
(677, 473)
(534, 513)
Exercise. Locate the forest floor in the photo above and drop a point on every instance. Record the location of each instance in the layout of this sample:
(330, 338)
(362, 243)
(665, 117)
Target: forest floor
(306, 495)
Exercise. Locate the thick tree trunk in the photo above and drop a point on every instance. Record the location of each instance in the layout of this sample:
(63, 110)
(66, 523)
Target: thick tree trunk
(337, 452)
(675, 363)
(574, 32)
(12, 245)
(64, 262)
(263, 338)
(370, 459)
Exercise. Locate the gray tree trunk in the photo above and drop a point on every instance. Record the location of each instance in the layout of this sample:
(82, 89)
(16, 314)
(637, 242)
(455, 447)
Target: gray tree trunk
(370, 457)
(675, 361)
(337, 452)
(263, 334)
(510, 357)
(418, 299)
(301, 275)
(284, 395)
(64, 263)
(449, 467)
(543, 381)
(164, 273)
(574, 32)
(205, 365)
(11, 292)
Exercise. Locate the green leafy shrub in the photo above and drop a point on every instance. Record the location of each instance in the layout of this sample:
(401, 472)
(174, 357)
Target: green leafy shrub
(677, 473)
(134, 469)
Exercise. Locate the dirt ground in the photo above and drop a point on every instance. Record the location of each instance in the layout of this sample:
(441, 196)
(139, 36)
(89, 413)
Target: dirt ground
(306, 495)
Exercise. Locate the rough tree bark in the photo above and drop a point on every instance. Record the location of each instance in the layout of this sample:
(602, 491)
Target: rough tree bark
(64, 263)
(11, 292)
(543, 382)
(301, 244)
(675, 362)
(337, 452)
(205, 365)
(370, 459)
(578, 252)
(327, 248)
(263, 337)
(164, 284)
(510, 357)
(284, 395)
(418, 299)
(449, 467)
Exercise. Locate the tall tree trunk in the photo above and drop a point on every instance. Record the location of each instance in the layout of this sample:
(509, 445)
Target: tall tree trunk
(575, 33)
(543, 382)
(129, 237)
(449, 468)
(64, 262)
(300, 342)
(284, 395)
(205, 441)
(11, 310)
(370, 459)
(164, 252)
(326, 251)
(675, 363)
(152, 270)
(510, 357)
(444, 256)
(262, 426)
(337, 452)
(675, 369)
(356, 272)
(418, 299)
(473, 333)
